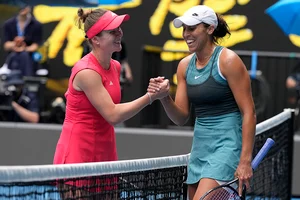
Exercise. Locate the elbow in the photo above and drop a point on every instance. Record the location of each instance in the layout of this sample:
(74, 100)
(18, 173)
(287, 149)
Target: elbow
(182, 121)
(34, 119)
(251, 116)
(6, 48)
(113, 123)
(113, 120)
(180, 124)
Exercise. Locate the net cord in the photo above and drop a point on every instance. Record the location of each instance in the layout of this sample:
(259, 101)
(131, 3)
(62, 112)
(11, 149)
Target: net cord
(51, 172)
(273, 121)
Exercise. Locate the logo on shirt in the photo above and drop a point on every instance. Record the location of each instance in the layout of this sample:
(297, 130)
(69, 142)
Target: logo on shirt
(196, 77)
(111, 83)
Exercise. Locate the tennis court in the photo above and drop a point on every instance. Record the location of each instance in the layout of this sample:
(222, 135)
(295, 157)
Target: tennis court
(153, 178)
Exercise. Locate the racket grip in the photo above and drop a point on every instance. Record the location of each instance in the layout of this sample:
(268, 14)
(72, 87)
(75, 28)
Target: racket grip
(262, 153)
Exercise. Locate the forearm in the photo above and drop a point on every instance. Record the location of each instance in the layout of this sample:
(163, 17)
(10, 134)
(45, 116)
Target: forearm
(32, 48)
(9, 45)
(25, 114)
(178, 116)
(248, 137)
(125, 111)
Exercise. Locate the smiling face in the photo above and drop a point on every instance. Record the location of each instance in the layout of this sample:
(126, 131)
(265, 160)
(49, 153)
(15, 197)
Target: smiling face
(109, 40)
(196, 37)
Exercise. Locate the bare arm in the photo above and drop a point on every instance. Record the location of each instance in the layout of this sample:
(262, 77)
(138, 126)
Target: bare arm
(238, 79)
(32, 48)
(26, 115)
(90, 82)
(9, 45)
(178, 111)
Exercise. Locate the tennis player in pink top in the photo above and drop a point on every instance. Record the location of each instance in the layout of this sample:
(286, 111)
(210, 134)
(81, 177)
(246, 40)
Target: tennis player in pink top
(93, 95)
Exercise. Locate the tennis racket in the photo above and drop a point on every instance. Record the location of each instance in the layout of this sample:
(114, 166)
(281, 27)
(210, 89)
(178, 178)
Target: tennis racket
(228, 191)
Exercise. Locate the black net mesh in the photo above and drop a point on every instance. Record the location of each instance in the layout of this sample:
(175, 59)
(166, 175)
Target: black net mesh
(166, 183)
(272, 178)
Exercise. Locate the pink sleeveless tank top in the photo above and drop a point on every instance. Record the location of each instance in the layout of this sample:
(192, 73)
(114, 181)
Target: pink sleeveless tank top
(86, 136)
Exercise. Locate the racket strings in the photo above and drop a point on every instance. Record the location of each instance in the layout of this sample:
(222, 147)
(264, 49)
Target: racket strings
(222, 193)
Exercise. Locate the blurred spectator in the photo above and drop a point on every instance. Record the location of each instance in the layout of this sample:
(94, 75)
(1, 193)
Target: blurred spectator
(22, 37)
(293, 86)
(24, 103)
(57, 111)
(126, 74)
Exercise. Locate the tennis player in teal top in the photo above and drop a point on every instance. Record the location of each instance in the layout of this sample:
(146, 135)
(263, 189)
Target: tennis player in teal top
(215, 80)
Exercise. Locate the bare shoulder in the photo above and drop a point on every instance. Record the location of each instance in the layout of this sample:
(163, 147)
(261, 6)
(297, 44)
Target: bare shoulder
(87, 73)
(186, 59)
(228, 55)
(87, 78)
(184, 62)
(229, 60)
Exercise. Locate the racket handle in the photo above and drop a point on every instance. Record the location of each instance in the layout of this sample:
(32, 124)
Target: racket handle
(262, 153)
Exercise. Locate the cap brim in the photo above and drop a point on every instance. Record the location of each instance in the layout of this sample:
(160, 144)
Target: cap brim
(190, 21)
(117, 22)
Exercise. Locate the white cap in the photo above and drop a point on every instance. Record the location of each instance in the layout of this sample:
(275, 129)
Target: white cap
(197, 15)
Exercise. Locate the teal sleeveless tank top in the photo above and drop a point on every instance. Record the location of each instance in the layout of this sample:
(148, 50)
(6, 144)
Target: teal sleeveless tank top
(207, 90)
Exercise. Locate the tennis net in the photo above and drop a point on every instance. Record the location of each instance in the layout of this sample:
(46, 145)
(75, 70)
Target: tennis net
(155, 178)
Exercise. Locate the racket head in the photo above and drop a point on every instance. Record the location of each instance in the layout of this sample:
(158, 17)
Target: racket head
(224, 192)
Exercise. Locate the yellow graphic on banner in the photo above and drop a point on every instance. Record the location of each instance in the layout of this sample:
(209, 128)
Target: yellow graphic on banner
(236, 23)
(295, 39)
(66, 29)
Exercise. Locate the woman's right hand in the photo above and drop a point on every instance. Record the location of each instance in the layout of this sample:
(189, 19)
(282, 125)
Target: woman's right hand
(154, 84)
(158, 88)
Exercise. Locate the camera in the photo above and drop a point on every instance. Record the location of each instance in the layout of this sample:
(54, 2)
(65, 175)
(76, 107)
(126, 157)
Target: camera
(6, 94)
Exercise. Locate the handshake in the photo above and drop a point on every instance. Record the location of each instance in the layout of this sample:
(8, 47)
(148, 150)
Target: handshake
(158, 88)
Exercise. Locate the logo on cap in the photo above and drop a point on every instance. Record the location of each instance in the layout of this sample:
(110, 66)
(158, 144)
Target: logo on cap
(194, 14)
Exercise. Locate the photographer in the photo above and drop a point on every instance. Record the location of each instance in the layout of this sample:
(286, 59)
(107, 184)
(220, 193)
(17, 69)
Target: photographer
(25, 106)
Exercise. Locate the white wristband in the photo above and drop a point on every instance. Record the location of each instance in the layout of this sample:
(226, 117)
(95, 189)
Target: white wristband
(150, 99)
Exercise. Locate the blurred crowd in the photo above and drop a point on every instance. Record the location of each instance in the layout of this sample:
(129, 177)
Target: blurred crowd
(23, 75)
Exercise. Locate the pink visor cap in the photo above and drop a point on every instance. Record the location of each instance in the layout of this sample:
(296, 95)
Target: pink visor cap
(108, 21)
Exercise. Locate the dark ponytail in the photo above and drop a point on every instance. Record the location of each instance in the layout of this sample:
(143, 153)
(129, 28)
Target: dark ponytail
(222, 29)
